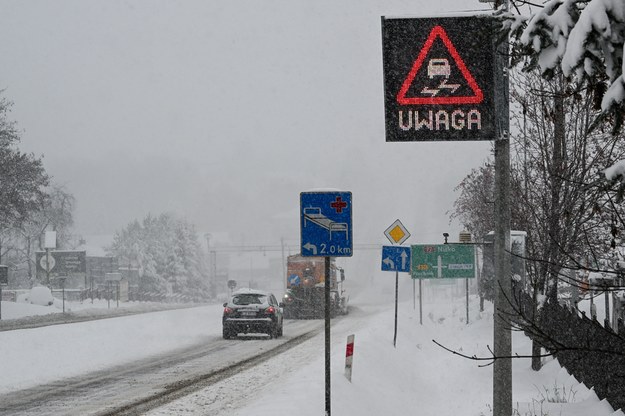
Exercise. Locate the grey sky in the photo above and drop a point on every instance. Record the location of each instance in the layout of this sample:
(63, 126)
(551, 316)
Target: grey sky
(222, 112)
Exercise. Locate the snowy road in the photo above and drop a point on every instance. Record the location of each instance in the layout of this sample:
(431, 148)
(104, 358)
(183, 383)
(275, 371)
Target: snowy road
(95, 368)
(136, 387)
(109, 366)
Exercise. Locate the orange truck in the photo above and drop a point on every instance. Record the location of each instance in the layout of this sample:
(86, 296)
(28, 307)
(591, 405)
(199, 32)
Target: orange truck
(305, 284)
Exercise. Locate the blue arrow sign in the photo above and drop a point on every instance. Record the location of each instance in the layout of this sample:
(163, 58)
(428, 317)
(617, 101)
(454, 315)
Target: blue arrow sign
(294, 280)
(326, 224)
(395, 259)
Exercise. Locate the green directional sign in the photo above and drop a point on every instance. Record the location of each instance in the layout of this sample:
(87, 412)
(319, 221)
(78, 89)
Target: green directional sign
(443, 261)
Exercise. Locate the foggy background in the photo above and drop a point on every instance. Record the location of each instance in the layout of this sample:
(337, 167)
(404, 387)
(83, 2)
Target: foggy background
(222, 112)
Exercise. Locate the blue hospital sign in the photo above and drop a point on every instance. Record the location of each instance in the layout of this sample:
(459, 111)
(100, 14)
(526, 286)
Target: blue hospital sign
(326, 224)
(439, 78)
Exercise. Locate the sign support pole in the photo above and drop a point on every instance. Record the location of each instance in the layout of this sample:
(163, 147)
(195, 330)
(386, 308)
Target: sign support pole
(327, 334)
(420, 302)
(47, 266)
(414, 295)
(502, 367)
(396, 295)
(467, 287)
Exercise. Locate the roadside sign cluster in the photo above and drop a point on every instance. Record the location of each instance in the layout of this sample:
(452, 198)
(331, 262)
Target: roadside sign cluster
(396, 258)
(427, 261)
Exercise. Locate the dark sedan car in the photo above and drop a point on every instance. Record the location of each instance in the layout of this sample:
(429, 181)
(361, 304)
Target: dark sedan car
(252, 311)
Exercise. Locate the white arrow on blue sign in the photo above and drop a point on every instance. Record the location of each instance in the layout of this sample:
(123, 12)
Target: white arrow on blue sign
(395, 259)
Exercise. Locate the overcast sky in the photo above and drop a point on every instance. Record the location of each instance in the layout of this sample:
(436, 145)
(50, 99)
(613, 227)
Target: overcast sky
(223, 112)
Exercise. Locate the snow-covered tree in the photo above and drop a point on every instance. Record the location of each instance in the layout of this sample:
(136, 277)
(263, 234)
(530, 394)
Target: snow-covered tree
(166, 251)
(583, 38)
(557, 194)
(582, 41)
(22, 176)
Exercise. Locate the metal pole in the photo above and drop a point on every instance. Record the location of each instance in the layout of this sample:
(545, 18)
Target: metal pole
(63, 290)
(502, 370)
(327, 334)
(420, 303)
(48, 266)
(396, 295)
(414, 295)
(502, 367)
(467, 287)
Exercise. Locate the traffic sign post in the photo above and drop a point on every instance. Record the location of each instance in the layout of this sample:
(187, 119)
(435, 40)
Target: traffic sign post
(445, 78)
(439, 78)
(4, 280)
(326, 231)
(397, 259)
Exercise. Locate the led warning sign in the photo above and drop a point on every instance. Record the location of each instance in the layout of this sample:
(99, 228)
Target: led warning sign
(439, 78)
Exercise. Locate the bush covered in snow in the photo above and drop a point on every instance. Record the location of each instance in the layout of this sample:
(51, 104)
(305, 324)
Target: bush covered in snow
(39, 295)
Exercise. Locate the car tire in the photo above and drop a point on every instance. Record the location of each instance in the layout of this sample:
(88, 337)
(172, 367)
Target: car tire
(227, 334)
(273, 332)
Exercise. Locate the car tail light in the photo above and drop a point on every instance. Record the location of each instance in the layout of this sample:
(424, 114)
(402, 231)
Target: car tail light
(271, 310)
(228, 311)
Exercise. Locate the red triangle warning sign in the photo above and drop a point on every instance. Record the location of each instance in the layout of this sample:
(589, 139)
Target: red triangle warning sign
(439, 70)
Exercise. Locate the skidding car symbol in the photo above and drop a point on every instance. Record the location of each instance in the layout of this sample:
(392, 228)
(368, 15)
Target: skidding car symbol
(438, 67)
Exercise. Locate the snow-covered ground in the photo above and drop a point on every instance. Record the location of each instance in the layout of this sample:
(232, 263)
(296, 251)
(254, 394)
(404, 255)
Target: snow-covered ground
(415, 376)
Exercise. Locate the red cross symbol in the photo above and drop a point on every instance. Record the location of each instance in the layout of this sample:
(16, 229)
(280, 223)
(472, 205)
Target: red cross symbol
(338, 205)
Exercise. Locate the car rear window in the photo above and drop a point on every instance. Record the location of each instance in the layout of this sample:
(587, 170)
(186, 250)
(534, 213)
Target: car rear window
(249, 299)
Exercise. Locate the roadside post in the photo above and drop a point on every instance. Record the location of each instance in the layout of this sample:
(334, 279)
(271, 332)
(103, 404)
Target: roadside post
(62, 279)
(446, 79)
(110, 278)
(49, 244)
(326, 231)
(4, 281)
(443, 261)
(465, 238)
(349, 357)
(397, 259)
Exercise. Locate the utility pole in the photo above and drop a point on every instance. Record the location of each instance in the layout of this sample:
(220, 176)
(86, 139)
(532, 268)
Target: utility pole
(502, 367)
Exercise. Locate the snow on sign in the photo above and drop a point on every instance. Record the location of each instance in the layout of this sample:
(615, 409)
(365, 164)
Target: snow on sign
(326, 224)
(439, 78)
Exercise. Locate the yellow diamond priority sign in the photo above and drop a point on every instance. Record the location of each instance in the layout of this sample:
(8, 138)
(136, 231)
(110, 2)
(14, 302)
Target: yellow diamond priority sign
(397, 233)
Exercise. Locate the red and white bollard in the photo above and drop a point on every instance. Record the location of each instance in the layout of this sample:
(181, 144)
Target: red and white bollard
(349, 356)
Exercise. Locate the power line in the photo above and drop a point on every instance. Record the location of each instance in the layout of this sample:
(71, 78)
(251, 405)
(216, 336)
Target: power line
(276, 247)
